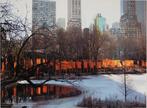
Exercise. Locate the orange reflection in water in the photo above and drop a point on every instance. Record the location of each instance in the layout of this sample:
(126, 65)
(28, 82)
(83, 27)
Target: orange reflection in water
(14, 91)
(44, 89)
(38, 90)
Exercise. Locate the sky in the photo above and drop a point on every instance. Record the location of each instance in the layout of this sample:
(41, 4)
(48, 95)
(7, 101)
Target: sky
(110, 9)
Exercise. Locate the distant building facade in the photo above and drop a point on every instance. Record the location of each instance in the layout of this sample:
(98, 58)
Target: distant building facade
(141, 12)
(131, 24)
(74, 13)
(61, 23)
(100, 23)
(43, 13)
(43, 17)
(115, 30)
(134, 12)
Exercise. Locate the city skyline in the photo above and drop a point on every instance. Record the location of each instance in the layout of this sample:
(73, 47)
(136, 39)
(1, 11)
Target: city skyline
(87, 14)
(73, 53)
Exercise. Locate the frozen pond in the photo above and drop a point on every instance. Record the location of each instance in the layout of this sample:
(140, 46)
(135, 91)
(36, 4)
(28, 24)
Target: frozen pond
(102, 86)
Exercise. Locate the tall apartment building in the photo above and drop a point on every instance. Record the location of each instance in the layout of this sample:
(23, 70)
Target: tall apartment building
(100, 23)
(130, 25)
(140, 9)
(43, 13)
(43, 17)
(141, 12)
(74, 13)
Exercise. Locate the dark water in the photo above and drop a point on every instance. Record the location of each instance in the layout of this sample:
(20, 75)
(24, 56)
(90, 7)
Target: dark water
(25, 92)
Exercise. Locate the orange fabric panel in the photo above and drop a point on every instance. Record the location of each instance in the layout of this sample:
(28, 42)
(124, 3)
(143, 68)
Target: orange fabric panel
(64, 65)
(111, 64)
(117, 63)
(57, 66)
(3, 67)
(38, 60)
(14, 64)
(70, 65)
(128, 63)
(79, 64)
(85, 64)
(104, 63)
(44, 89)
(91, 64)
(99, 65)
(67, 65)
(73, 64)
(144, 63)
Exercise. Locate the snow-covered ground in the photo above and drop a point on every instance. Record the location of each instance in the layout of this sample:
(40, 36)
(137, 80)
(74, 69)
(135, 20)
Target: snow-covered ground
(102, 86)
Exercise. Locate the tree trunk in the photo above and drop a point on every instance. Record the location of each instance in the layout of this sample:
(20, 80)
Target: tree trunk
(125, 86)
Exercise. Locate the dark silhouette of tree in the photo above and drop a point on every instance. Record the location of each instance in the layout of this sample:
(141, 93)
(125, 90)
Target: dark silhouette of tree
(132, 47)
(17, 30)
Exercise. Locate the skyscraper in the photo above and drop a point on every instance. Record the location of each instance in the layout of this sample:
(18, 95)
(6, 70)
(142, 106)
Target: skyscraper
(100, 23)
(74, 13)
(129, 22)
(139, 10)
(43, 13)
(43, 17)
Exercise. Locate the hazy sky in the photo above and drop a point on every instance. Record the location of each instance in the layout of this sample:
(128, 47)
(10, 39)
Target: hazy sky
(110, 9)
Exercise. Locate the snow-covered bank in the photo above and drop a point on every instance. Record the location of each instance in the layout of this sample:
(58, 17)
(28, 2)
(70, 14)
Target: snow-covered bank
(59, 82)
(110, 86)
(138, 82)
(102, 86)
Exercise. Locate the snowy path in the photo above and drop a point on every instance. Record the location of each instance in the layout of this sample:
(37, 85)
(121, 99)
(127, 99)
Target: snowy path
(103, 86)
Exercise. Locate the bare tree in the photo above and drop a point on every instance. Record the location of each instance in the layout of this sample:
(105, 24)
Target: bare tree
(126, 86)
(99, 44)
(16, 30)
(132, 47)
(74, 36)
(62, 42)
(86, 43)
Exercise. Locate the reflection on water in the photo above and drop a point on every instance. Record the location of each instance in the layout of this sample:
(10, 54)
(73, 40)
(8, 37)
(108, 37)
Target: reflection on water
(25, 92)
